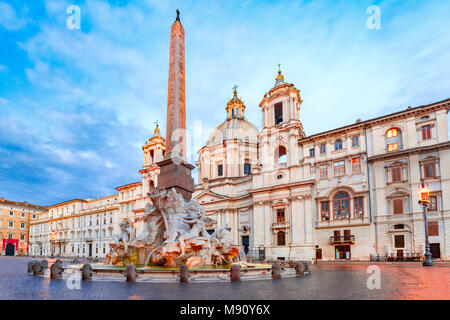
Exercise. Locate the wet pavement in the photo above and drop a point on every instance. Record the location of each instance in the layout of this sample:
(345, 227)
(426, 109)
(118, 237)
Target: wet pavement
(326, 281)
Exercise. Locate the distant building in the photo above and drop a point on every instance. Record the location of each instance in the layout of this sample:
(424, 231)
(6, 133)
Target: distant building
(15, 219)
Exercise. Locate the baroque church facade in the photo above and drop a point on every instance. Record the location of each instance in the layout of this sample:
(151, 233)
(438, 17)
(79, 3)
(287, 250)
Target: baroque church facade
(348, 193)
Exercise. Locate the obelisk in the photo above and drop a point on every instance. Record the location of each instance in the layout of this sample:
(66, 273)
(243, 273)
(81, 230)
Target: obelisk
(175, 172)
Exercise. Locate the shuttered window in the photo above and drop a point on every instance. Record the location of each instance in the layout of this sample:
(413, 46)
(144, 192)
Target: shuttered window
(396, 174)
(398, 206)
(433, 228)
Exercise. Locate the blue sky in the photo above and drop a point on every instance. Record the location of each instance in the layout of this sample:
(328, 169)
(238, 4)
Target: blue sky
(77, 105)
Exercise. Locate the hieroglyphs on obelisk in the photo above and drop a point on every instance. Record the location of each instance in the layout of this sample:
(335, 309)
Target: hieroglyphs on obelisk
(176, 98)
(175, 172)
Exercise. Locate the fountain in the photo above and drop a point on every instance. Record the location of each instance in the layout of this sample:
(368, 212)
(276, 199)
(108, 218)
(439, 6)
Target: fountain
(174, 233)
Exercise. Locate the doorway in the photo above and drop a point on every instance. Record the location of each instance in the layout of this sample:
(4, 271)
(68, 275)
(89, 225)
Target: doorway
(245, 243)
(343, 252)
(318, 254)
(435, 250)
(90, 249)
(10, 249)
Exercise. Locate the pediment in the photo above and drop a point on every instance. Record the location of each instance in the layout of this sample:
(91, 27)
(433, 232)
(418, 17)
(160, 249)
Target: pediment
(209, 196)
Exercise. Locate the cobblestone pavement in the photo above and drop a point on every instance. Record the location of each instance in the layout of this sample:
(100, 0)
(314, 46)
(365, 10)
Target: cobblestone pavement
(327, 281)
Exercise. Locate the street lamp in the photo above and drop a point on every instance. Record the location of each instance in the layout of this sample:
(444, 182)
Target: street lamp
(52, 243)
(424, 199)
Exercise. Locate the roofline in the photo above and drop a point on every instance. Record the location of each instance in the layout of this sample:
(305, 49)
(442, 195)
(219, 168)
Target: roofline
(128, 185)
(24, 204)
(66, 202)
(365, 123)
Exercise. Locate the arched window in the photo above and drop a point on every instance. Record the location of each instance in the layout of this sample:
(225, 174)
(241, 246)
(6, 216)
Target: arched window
(338, 144)
(282, 159)
(341, 205)
(281, 238)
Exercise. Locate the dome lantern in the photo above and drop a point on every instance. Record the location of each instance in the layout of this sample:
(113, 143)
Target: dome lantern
(235, 107)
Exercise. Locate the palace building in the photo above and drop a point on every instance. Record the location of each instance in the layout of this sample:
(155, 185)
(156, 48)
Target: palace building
(15, 219)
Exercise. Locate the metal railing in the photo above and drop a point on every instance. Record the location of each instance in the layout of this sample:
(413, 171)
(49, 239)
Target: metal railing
(342, 239)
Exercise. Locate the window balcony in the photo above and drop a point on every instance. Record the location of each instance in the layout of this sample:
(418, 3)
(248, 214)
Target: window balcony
(280, 224)
(342, 239)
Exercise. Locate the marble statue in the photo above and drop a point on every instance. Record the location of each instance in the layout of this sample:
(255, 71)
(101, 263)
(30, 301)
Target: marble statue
(174, 233)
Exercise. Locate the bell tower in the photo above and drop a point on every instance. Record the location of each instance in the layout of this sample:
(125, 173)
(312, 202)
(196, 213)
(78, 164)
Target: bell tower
(154, 150)
(281, 125)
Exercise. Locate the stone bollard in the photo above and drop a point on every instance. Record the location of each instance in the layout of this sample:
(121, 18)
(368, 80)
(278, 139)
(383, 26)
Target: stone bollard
(299, 267)
(276, 270)
(38, 270)
(44, 264)
(75, 261)
(131, 273)
(235, 272)
(306, 266)
(184, 273)
(86, 272)
(56, 271)
(30, 266)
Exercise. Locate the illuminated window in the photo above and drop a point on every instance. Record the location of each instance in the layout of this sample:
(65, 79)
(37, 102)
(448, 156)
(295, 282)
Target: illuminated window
(392, 133)
(356, 165)
(393, 147)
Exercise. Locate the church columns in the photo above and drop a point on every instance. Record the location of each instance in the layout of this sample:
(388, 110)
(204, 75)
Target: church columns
(308, 218)
(298, 222)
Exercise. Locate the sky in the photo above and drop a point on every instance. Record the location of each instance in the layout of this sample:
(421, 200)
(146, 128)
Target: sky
(76, 105)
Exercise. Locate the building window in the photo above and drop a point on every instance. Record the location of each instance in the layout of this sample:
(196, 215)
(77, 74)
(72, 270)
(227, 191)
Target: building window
(280, 215)
(398, 206)
(355, 141)
(426, 132)
(278, 113)
(281, 238)
(338, 144)
(392, 133)
(356, 165)
(323, 148)
(23, 214)
(396, 174)
(341, 205)
(358, 207)
(22, 225)
(282, 157)
(392, 147)
(399, 241)
(11, 224)
(339, 168)
(323, 171)
(325, 210)
(11, 213)
(312, 152)
(220, 170)
(22, 237)
(428, 170)
(433, 206)
(433, 228)
(10, 236)
(247, 168)
(399, 227)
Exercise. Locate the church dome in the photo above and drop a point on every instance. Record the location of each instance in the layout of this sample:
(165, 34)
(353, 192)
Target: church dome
(235, 127)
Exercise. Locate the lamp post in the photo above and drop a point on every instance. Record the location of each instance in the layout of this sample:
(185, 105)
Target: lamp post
(52, 243)
(424, 194)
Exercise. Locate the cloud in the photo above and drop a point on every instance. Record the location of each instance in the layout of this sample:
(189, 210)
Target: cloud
(89, 97)
(9, 19)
